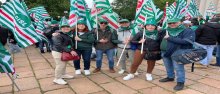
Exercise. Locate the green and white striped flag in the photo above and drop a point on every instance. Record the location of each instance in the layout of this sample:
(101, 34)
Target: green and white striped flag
(104, 4)
(193, 10)
(181, 9)
(14, 17)
(39, 10)
(40, 27)
(148, 10)
(6, 65)
(211, 10)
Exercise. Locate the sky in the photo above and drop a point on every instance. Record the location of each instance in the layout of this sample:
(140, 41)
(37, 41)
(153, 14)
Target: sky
(2, 1)
(89, 2)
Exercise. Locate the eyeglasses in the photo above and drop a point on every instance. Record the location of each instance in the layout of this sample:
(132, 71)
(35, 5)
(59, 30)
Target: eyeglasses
(103, 23)
(172, 23)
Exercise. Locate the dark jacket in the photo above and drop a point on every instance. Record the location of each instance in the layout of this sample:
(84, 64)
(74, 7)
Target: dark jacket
(49, 31)
(149, 44)
(218, 34)
(206, 34)
(3, 35)
(62, 43)
(108, 34)
(86, 42)
(179, 42)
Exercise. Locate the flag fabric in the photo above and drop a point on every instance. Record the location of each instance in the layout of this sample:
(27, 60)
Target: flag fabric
(39, 10)
(181, 9)
(102, 9)
(193, 10)
(79, 11)
(40, 27)
(148, 10)
(139, 4)
(6, 65)
(14, 17)
(211, 10)
(170, 10)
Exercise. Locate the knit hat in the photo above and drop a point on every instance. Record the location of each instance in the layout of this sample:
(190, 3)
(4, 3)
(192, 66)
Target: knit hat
(64, 22)
(173, 20)
(124, 20)
(151, 22)
(103, 20)
(81, 22)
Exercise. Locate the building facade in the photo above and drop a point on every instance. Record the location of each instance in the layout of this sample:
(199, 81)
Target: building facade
(204, 4)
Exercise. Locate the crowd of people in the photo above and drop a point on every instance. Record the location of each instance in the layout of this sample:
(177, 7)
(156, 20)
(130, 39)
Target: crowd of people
(150, 43)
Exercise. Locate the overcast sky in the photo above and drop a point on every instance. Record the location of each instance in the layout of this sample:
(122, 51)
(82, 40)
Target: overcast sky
(89, 2)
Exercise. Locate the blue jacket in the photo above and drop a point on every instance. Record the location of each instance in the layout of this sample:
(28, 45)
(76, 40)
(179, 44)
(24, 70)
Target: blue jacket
(178, 42)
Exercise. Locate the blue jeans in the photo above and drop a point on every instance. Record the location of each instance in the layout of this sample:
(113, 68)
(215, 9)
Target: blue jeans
(86, 54)
(170, 65)
(218, 55)
(41, 45)
(209, 49)
(110, 56)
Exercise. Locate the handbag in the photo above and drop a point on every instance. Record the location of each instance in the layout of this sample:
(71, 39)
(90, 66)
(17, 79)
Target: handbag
(187, 56)
(65, 56)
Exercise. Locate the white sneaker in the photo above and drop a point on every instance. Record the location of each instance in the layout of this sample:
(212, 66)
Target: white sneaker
(59, 81)
(121, 71)
(66, 76)
(78, 72)
(128, 77)
(136, 73)
(149, 77)
(87, 72)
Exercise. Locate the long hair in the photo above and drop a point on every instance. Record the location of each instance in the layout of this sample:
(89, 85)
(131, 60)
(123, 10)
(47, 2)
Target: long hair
(84, 30)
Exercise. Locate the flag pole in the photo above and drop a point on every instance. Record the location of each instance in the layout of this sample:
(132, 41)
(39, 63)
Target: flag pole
(13, 82)
(97, 35)
(142, 44)
(123, 51)
(76, 30)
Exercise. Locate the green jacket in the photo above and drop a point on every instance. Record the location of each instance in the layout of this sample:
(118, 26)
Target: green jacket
(87, 41)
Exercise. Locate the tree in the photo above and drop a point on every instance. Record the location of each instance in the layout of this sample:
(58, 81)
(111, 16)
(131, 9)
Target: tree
(54, 7)
(127, 8)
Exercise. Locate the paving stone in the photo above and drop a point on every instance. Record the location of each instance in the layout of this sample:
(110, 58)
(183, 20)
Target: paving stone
(205, 88)
(27, 83)
(118, 88)
(100, 78)
(155, 90)
(31, 91)
(84, 86)
(47, 84)
(158, 72)
(61, 91)
(210, 82)
(188, 91)
(5, 89)
(5, 81)
(25, 74)
(167, 85)
(21, 64)
(40, 66)
(136, 83)
(23, 69)
(192, 76)
(101, 92)
(216, 77)
(45, 73)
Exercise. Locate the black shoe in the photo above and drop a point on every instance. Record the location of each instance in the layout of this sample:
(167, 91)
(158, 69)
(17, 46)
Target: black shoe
(48, 50)
(179, 86)
(42, 51)
(166, 79)
(215, 65)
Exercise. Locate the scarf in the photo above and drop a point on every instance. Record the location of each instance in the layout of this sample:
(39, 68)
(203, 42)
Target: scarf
(175, 31)
(151, 34)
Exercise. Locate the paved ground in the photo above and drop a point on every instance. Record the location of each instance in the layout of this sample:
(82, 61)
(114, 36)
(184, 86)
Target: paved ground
(36, 72)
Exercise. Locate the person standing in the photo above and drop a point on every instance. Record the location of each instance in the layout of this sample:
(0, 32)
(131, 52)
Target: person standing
(62, 42)
(106, 43)
(206, 38)
(85, 40)
(124, 36)
(175, 39)
(151, 49)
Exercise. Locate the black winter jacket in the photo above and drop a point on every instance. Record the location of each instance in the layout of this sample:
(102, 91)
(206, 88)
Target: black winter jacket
(3, 35)
(206, 34)
(150, 44)
(62, 43)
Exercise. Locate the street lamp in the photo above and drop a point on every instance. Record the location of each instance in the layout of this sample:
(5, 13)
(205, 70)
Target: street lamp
(65, 13)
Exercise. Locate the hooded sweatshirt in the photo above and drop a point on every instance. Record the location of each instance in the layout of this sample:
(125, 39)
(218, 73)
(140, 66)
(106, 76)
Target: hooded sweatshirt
(207, 34)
